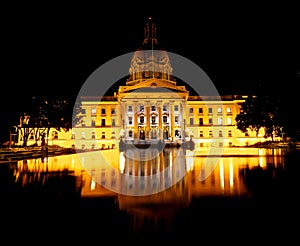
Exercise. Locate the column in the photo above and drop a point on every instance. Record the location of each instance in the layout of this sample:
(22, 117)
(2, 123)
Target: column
(172, 119)
(135, 121)
(147, 109)
(182, 109)
(121, 117)
(160, 132)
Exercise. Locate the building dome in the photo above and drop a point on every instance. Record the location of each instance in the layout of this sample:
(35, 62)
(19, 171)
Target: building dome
(150, 60)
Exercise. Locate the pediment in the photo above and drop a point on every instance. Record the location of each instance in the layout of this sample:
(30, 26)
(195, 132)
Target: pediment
(155, 83)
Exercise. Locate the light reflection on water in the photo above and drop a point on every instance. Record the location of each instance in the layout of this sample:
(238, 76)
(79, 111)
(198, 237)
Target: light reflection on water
(154, 189)
(113, 172)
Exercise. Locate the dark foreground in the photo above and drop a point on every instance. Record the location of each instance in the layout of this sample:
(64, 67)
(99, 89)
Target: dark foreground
(54, 216)
(210, 219)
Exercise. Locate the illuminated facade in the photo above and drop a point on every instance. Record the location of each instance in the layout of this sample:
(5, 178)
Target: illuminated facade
(152, 107)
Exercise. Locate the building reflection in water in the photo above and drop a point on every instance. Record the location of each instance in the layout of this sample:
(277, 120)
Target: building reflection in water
(147, 184)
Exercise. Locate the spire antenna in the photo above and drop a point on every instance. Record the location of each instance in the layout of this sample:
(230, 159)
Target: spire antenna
(150, 31)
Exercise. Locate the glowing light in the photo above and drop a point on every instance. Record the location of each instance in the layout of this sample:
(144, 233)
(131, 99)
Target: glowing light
(221, 175)
(190, 160)
(122, 162)
(231, 175)
(93, 184)
(261, 158)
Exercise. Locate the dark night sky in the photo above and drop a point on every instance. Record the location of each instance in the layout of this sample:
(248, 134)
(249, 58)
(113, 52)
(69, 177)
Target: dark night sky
(53, 49)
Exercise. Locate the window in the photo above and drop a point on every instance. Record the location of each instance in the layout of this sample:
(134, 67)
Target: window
(220, 121)
(103, 135)
(191, 121)
(83, 135)
(176, 108)
(210, 134)
(229, 121)
(129, 108)
(93, 122)
(200, 121)
(113, 111)
(102, 122)
(153, 108)
(165, 108)
(210, 121)
(130, 120)
(130, 133)
(165, 119)
(153, 119)
(103, 111)
(191, 110)
(220, 134)
(201, 134)
(142, 119)
(73, 135)
(219, 110)
(113, 122)
(93, 111)
(142, 108)
(93, 135)
(228, 110)
(176, 119)
(200, 110)
(229, 133)
(210, 110)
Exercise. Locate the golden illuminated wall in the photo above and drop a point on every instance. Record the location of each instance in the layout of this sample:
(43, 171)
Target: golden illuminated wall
(209, 121)
(102, 124)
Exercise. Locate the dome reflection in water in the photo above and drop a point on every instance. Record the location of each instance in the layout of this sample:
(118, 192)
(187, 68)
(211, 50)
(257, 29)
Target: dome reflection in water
(159, 192)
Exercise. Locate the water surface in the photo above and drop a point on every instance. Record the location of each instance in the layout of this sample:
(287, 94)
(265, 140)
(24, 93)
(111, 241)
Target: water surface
(171, 195)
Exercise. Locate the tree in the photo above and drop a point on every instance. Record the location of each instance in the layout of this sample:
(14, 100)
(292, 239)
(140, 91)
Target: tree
(259, 112)
(48, 112)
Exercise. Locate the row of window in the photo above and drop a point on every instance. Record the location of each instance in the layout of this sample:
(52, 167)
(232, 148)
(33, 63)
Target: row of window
(93, 135)
(165, 120)
(130, 134)
(210, 121)
(103, 123)
(154, 108)
(103, 146)
(103, 111)
(210, 110)
(176, 120)
(153, 119)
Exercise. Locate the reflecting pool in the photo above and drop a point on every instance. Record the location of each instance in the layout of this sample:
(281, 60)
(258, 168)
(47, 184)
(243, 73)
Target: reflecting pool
(149, 194)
